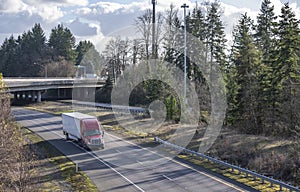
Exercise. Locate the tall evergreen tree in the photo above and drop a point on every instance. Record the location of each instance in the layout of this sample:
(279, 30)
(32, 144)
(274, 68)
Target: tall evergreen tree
(39, 41)
(265, 29)
(82, 48)
(286, 73)
(245, 59)
(88, 56)
(199, 30)
(198, 24)
(25, 59)
(215, 36)
(265, 38)
(32, 52)
(8, 57)
(62, 42)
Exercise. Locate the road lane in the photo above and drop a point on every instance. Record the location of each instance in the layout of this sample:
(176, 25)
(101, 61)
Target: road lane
(41, 123)
(123, 166)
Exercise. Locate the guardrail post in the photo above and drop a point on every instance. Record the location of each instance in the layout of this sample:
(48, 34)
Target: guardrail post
(76, 167)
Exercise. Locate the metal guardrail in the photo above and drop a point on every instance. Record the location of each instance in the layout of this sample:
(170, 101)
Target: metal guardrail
(240, 170)
(119, 108)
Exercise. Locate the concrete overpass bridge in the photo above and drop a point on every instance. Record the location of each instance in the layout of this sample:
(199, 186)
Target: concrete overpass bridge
(36, 89)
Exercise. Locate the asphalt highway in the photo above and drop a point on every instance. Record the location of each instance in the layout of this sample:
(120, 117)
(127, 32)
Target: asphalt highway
(124, 166)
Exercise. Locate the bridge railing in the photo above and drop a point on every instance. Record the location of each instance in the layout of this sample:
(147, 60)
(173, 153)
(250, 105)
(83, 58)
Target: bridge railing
(248, 173)
(116, 108)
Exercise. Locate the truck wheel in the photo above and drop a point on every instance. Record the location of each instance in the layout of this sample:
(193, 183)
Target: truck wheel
(67, 136)
(80, 143)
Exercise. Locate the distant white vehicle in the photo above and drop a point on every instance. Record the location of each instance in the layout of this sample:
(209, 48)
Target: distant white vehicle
(91, 76)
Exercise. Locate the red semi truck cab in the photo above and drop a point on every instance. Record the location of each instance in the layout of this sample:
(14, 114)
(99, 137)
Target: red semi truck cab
(92, 133)
(83, 128)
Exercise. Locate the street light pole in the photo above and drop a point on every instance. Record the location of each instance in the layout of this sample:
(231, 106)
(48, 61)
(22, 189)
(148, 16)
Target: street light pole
(46, 72)
(184, 6)
(45, 68)
(153, 31)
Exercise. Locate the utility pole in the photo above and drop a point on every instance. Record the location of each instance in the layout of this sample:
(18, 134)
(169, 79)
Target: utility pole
(46, 71)
(153, 30)
(184, 6)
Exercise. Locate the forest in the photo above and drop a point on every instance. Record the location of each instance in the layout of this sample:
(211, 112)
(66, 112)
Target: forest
(260, 68)
(32, 55)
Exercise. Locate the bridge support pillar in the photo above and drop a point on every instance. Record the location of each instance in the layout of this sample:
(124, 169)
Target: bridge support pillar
(23, 96)
(79, 94)
(86, 92)
(27, 96)
(33, 95)
(39, 96)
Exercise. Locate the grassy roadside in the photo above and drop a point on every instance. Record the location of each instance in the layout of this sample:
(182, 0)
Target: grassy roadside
(255, 184)
(142, 138)
(110, 124)
(61, 172)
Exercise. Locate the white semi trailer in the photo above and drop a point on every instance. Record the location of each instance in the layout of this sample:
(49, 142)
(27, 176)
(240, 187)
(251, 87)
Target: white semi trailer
(85, 129)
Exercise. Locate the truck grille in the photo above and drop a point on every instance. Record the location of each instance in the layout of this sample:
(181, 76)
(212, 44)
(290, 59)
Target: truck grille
(95, 141)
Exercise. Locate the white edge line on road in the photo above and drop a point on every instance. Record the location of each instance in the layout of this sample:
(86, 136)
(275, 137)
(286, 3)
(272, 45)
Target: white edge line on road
(167, 177)
(182, 164)
(139, 162)
(92, 154)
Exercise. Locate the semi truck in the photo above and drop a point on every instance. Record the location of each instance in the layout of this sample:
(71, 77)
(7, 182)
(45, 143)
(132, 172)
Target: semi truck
(83, 128)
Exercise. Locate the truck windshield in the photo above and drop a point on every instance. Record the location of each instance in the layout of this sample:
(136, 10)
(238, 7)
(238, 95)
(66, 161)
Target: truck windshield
(92, 132)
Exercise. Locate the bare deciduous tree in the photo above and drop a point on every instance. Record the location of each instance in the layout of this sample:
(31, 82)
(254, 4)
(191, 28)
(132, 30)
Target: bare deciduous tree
(16, 159)
(117, 53)
(144, 26)
(60, 68)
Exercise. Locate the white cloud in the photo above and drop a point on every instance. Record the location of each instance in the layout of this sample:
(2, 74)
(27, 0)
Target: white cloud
(103, 7)
(296, 9)
(231, 10)
(11, 6)
(97, 39)
(84, 11)
(163, 5)
(80, 28)
(58, 2)
(231, 15)
(48, 13)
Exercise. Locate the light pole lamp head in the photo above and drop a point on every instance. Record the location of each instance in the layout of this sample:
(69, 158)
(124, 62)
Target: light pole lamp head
(184, 6)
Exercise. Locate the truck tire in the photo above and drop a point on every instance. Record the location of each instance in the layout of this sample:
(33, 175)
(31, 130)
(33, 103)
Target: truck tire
(82, 144)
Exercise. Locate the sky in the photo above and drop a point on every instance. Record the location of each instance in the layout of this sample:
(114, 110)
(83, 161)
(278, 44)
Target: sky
(95, 20)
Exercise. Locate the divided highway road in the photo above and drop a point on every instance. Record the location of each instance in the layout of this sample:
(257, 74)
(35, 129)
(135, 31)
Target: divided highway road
(123, 166)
